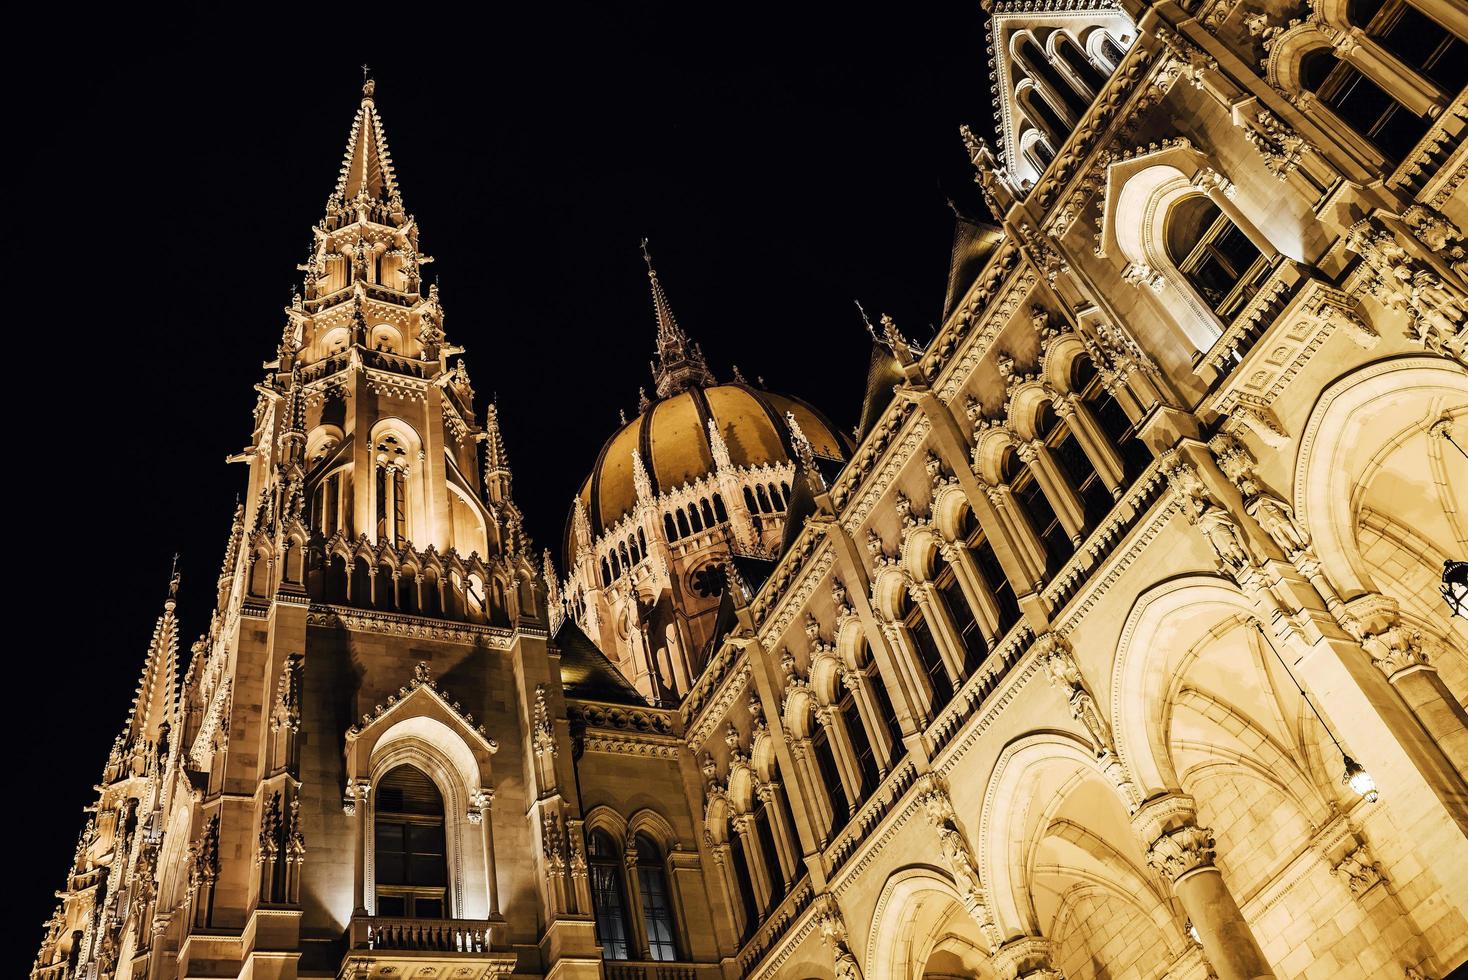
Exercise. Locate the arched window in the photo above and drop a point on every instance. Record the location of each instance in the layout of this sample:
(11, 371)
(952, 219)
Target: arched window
(694, 520)
(719, 510)
(749, 500)
(657, 905)
(1108, 49)
(707, 512)
(1362, 104)
(606, 573)
(607, 895)
(975, 649)
(765, 834)
(669, 530)
(763, 497)
(683, 530)
(1037, 66)
(1217, 259)
(408, 854)
(1031, 499)
(1041, 114)
(392, 490)
(1074, 59)
(327, 508)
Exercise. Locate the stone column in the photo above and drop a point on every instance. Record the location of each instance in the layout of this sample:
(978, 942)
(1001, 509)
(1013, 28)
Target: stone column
(733, 903)
(354, 804)
(945, 633)
(1400, 653)
(785, 840)
(830, 719)
(1409, 88)
(1182, 852)
(1026, 958)
(481, 811)
(1061, 494)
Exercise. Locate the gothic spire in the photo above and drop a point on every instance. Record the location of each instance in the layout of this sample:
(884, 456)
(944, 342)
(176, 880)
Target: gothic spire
(680, 364)
(153, 701)
(367, 172)
(497, 475)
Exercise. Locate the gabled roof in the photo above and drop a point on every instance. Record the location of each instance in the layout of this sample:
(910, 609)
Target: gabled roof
(587, 674)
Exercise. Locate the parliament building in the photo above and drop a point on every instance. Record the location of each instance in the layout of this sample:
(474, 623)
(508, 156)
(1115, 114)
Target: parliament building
(1123, 638)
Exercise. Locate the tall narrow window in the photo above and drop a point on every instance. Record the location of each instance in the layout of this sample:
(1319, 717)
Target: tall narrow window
(1113, 419)
(1421, 42)
(831, 776)
(861, 745)
(769, 853)
(411, 870)
(928, 656)
(400, 507)
(1076, 467)
(1032, 500)
(969, 634)
(383, 486)
(994, 577)
(607, 896)
(744, 884)
(657, 907)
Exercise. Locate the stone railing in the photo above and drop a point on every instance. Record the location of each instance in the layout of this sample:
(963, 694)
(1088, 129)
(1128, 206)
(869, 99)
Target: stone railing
(979, 685)
(1424, 175)
(768, 935)
(434, 935)
(624, 970)
(1248, 326)
(56, 971)
(1134, 502)
(869, 815)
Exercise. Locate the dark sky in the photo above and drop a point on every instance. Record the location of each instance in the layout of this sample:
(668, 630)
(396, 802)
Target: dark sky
(172, 169)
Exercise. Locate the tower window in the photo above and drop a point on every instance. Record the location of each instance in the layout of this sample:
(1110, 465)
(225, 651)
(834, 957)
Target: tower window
(657, 909)
(412, 872)
(607, 896)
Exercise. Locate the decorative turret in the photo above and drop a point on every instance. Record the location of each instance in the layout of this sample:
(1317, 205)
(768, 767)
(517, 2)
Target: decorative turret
(680, 364)
(367, 181)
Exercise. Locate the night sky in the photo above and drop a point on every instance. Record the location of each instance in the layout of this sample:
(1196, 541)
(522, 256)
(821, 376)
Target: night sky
(170, 175)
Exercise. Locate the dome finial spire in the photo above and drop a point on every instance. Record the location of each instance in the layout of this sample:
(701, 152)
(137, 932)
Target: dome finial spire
(680, 364)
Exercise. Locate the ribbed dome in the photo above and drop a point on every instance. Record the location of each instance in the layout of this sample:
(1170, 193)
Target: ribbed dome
(673, 440)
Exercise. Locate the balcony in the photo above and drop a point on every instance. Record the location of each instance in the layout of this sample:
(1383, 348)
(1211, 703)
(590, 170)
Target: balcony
(623, 970)
(425, 949)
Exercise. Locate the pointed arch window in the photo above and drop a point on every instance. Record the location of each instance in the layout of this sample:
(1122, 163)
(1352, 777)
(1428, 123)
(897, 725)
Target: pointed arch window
(607, 895)
(392, 491)
(1031, 499)
(657, 905)
(1218, 260)
(929, 658)
(409, 856)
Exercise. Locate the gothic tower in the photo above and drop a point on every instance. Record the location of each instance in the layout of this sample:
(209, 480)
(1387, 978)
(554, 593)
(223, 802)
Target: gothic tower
(311, 799)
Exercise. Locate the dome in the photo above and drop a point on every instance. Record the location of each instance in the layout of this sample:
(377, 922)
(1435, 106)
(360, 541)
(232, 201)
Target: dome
(672, 437)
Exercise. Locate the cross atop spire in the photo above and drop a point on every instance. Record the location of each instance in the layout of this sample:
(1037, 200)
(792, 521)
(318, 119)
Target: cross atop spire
(367, 171)
(680, 364)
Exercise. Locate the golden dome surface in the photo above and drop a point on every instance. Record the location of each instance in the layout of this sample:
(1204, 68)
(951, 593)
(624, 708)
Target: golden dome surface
(672, 438)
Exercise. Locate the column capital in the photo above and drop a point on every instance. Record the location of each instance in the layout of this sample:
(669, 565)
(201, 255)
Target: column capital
(1026, 958)
(1176, 845)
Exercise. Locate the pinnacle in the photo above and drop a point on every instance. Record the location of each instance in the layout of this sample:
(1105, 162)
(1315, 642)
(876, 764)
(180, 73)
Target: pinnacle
(680, 364)
(367, 171)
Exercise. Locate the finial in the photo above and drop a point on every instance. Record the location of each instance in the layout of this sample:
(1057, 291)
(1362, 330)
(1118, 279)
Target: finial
(173, 579)
(367, 83)
(867, 320)
(647, 257)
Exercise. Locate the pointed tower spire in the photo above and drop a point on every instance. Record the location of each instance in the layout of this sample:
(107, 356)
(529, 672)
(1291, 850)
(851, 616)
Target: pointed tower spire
(153, 701)
(367, 174)
(497, 476)
(680, 364)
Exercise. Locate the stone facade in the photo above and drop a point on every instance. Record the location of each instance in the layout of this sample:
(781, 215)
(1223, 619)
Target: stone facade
(1056, 676)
